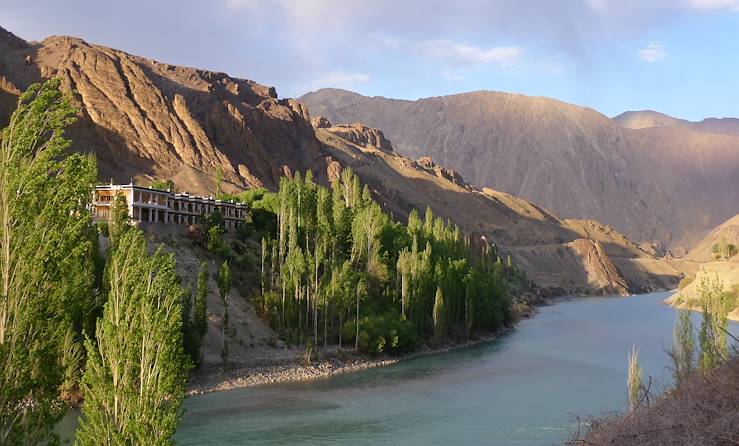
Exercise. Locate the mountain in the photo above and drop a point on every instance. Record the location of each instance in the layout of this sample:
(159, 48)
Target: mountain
(570, 159)
(647, 118)
(559, 256)
(148, 119)
(643, 119)
(145, 119)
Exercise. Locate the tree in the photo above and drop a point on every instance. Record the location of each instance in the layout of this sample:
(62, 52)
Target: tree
(167, 185)
(200, 316)
(439, 316)
(118, 224)
(216, 243)
(635, 379)
(683, 351)
(47, 262)
(224, 287)
(219, 181)
(715, 304)
(135, 379)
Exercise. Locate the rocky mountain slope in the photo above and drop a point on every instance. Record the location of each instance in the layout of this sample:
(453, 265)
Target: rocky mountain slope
(570, 159)
(145, 119)
(148, 119)
(560, 256)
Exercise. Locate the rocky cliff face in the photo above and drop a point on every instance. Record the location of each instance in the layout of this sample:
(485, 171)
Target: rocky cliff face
(570, 159)
(148, 119)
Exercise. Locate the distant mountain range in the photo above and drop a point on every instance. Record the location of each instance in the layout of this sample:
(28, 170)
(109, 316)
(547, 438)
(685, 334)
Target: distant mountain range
(146, 119)
(649, 175)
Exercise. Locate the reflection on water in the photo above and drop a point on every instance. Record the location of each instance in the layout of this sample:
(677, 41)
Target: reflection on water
(524, 389)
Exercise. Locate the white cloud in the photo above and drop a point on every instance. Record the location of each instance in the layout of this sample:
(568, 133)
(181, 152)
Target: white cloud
(341, 79)
(654, 52)
(464, 54)
(714, 5)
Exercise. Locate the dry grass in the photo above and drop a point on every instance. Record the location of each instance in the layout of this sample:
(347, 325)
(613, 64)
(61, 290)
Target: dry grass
(702, 411)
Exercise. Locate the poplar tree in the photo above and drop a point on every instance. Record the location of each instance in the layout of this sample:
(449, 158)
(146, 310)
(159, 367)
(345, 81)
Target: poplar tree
(47, 256)
(715, 305)
(135, 379)
(200, 315)
(118, 224)
(224, 287)
(683, 351)
(439, 316)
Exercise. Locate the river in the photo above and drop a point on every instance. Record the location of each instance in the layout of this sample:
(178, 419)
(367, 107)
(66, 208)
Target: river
(524, 389)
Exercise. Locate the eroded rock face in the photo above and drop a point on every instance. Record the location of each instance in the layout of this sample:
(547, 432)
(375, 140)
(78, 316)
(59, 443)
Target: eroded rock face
(143, 117)
(320, 122)
(428, 164)
(361, 135)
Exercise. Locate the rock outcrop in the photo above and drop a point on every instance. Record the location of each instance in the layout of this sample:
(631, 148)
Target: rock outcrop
(357, 133)
(145, 119)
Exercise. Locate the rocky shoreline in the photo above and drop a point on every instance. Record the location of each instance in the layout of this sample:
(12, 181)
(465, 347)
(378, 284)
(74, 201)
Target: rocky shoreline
(296, 370)
(332, 362)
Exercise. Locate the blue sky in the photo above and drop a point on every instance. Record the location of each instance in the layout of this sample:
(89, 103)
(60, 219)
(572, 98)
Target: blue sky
(680, 57)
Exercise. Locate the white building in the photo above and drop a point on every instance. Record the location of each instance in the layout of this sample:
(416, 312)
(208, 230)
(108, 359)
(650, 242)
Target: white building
(160, 206)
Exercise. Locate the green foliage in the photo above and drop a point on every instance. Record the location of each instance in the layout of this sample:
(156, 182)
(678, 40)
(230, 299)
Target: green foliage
(48, 261)
(219, 181)
(224, 287)
(200, 315)
(715, 304)
(683, 351)
(385, 334)
(136, 370)
(167, 185)
(190, 336)
(216, 243)
(339, 261)
(439, 316)
(118, 224)
(724, 250)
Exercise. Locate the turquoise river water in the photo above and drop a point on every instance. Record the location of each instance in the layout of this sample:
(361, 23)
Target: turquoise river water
(524, 389)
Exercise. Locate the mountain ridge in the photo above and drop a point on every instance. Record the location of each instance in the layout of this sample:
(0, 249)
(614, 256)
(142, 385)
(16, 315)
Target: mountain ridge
(590, 165)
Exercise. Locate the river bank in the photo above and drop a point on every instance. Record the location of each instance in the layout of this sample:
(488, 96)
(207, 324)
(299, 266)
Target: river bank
(331, 363)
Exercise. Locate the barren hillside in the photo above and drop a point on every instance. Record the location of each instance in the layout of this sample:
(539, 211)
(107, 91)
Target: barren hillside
(570, 159)
(144, 118)
(560, 256)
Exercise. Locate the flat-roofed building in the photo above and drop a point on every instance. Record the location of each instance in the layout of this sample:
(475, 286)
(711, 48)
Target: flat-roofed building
(147, 205)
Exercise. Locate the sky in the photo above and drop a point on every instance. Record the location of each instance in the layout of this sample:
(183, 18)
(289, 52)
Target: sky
(680, 57)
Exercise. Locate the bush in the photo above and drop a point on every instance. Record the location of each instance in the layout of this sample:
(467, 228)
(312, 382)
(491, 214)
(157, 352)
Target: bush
(383, 334)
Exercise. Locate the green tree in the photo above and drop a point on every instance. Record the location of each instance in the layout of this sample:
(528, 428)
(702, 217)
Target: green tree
(683, 350)
(224, 287)
(439, 316)
(219, 181)
(200, 316)
(135, 379)
(216, 243)
(167, 185)
(119, 221)
(715, 305)
(47, 263)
